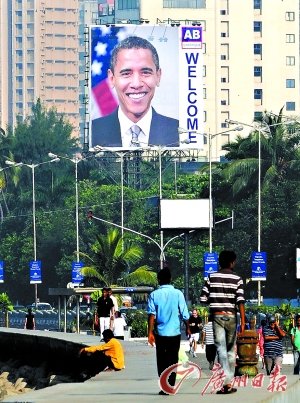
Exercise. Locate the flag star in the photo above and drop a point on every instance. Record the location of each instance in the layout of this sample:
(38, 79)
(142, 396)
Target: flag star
(96, 68)
(121, 35)
(105, 30)
(100, 48)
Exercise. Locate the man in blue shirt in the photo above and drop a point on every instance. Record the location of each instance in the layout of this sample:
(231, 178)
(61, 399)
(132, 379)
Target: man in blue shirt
(166, 309)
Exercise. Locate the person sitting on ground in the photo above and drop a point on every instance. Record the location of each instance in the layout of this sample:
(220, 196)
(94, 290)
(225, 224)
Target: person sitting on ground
(108, 356)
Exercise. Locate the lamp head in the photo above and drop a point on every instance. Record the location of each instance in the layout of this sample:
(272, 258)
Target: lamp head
(51, 155)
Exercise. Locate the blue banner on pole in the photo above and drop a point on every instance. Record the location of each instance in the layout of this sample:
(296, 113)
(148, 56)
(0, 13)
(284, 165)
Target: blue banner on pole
(259, 265)
(77, 277)
(210, 263)
(1, 271)
(35, 268)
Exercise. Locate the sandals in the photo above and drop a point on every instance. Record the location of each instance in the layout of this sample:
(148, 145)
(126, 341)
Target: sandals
(226, 390)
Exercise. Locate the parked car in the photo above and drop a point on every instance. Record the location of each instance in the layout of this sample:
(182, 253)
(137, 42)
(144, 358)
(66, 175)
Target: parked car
(41, 306)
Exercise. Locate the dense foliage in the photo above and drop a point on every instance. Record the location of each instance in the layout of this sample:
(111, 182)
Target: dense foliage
(99, 185)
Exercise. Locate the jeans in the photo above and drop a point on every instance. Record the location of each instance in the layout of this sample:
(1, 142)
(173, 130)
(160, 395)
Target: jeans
(224, 327)
(296, 354)
(270, 362)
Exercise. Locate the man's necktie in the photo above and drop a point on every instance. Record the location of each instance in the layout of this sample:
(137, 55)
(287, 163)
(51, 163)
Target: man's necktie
(135, 131)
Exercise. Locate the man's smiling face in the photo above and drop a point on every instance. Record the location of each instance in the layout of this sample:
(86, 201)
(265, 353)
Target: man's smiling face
(134, 78)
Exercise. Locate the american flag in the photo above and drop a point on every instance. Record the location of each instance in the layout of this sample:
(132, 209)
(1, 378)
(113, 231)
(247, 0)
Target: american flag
(102, 41)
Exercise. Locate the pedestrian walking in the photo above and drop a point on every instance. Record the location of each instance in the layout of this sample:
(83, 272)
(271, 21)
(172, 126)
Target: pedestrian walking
(29, 320)
(261, 341)
(166, 309)
(223, 291)
(295, 338)
(194, 323)
(105, 310)
(208, 341)
(119, 326)
(273, 347)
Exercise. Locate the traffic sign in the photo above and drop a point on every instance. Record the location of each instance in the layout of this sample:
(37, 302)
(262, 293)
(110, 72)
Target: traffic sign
(77, 277)
(35, 269)
(259, 266)
(210, 263)
(1, 271)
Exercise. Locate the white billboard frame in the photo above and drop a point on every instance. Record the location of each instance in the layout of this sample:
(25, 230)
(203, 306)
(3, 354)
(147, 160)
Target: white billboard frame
(185, 214)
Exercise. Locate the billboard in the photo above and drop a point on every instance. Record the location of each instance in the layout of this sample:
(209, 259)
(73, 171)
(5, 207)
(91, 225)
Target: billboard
(184, 214)
(145, 83)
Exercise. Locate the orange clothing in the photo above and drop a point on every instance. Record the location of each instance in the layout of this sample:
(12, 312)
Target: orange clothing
(113, 348)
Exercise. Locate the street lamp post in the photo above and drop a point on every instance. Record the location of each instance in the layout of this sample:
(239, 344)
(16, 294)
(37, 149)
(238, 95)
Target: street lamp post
(260, 128)
(75, 161)
(32, 167)
(121, 154)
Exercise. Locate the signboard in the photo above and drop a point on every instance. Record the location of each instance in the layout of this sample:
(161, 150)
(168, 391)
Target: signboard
(259, 265)
(35, 268)
(77, 277)
(211, 263)
(298, 263)
(1, 271)
(184, 214)
(158, 87)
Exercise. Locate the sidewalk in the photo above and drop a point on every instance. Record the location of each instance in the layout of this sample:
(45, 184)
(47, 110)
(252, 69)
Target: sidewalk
(139, 382)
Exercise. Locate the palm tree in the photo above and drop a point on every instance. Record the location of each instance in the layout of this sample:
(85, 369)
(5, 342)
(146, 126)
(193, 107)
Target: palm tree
(279, 155)
(112, 259)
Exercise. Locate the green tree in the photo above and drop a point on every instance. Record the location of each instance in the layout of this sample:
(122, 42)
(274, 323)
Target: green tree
(279, 155)
(5, 306)
(111, 260)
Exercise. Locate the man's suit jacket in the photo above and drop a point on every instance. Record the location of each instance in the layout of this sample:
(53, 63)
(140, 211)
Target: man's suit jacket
(106, 131)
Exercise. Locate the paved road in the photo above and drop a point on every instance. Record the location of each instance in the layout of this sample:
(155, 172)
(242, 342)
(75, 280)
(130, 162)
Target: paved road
(138, 382)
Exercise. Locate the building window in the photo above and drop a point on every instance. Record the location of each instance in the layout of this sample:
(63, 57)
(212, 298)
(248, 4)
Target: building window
(290, 38)
(257, 48)
(258, 116)
(290, 83)
(290, 60)
(257, 71)
(290, 16)
(290, 106)
(257, 26)
(183, 4)
(128, 4)
(257, 94)
(257, 4)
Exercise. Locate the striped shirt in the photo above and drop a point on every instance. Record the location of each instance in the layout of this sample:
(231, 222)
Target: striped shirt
(209, 333)
(272, 348)
(223, 290)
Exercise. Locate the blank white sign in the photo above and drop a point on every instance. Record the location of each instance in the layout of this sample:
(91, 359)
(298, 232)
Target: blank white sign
(184, 214)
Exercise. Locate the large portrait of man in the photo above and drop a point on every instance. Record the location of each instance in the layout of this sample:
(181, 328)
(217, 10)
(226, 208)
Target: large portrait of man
(134, 87)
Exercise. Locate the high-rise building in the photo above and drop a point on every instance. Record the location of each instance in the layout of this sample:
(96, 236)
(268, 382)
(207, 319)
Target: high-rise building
(250, 47)
(251, 56)
(39, 58)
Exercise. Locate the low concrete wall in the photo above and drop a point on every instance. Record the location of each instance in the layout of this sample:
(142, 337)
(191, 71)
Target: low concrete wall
(36, 348)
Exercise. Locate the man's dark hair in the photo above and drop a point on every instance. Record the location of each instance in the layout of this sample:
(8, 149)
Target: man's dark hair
(226, 257)
(133, 42)
(164, 276)
(107, 334)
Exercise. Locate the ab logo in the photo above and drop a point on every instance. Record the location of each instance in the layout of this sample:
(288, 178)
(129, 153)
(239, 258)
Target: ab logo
(191, 34)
